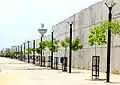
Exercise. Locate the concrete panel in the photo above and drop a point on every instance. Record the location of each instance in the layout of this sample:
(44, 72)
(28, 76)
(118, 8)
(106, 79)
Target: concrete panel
(103, 60)
(117, 60)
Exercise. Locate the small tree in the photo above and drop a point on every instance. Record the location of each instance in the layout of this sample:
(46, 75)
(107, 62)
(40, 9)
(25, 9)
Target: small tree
(29, 51)
(76, 44)
(53, 47)
(42, 46)
(98, 33)
(65, 44)
(37, 50)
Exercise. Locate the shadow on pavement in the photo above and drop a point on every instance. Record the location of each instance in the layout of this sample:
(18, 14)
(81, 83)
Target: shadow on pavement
(96, 79)
(76, 72)
(115, 83)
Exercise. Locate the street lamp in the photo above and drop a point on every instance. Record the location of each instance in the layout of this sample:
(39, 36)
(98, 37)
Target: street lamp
(18, 51)
(109, 41)
(52, 51)
(21, 53)
(24, 51)
(70, 50)
(34, 52)
(42, 32)
(28, 53)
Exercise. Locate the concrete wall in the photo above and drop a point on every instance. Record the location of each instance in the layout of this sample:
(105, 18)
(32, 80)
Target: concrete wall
(83, 21)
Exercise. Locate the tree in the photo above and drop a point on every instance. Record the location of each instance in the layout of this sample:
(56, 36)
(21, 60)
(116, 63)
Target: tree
(37, 50)
(65, 44)
(98, 32)
(54, 47)
(42, 46)
(114, 25)
(29, 51)
(76, 44)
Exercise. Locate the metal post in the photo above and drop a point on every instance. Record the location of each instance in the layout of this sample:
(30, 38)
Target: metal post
(28, 54)
(41, 52)
(52, 52)
(33, 52)
(24, 51)
(18, 51)
(109, 43)
(70, 50)
(21, 54)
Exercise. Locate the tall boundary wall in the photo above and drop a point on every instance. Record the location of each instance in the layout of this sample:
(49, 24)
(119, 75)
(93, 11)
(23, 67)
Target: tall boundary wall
(83, 21)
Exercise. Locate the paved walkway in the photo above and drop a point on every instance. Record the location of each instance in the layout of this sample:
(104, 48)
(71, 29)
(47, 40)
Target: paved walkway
(14, 72)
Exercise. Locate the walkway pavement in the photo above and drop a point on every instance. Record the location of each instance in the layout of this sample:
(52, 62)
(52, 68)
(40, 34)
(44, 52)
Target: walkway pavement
(14, 72)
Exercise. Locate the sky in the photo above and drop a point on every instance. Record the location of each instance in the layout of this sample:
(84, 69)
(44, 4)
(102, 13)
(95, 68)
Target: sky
(20, 19)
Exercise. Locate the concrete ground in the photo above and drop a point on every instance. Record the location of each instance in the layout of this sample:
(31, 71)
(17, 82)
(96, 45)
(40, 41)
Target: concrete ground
(14, 72)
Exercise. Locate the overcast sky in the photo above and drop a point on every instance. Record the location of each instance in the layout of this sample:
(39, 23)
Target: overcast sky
(20, 19)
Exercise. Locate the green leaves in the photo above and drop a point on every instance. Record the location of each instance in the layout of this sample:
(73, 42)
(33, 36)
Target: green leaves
(37, 50)
(114, 25)
(29, 50)
(43, 45)
(53, 47)
(65, 43)
(76, 44)
(20, 53)
(11, 53)
(97, 34)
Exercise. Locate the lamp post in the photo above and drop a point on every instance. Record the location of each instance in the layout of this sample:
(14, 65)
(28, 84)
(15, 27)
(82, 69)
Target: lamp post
(109, 42)
(42, 32)
(41, 51)
(52, 51)
(28, 53)
(21, 53)
(70, 49)
(24, 51)
(34, 52)
(18, 51)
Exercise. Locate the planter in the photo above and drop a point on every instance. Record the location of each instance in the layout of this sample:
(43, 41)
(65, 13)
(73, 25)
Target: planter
(63, 60)
(95, 66)
(49, 61)
(56, 63)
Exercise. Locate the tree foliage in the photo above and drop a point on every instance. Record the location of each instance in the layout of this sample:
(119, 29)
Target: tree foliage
(38, 50)
(98, 32)
(97, 36)
(65, 43)
(10, 53)
(29, 50)
(53, 47)
(42, 46)
(114, 25)
(76, 44)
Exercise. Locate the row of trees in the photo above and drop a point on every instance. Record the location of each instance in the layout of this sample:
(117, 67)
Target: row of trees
(54, 47)
(97, 36)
